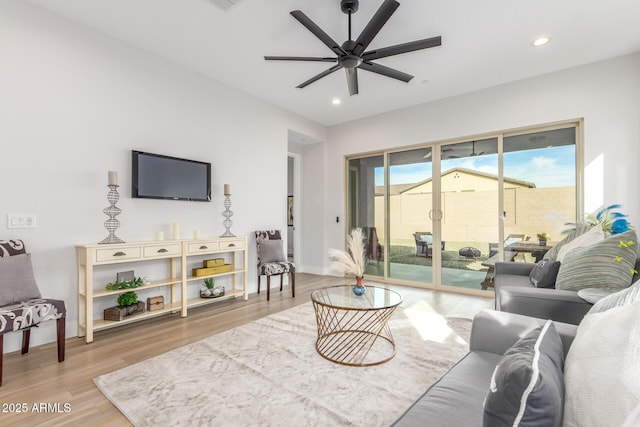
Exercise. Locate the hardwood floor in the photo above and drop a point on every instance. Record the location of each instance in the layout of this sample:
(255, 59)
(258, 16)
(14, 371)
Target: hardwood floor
(52, 393)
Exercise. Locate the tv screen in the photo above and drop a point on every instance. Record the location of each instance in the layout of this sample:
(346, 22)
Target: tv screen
(155, 176)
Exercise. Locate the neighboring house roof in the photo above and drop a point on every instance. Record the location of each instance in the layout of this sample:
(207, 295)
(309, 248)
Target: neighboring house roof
(469, 172)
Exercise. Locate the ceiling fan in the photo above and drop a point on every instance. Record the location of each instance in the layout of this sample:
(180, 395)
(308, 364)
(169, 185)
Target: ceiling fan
(472, 154)
(351, 54)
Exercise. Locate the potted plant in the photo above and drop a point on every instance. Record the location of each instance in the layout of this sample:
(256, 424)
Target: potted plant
(543, 237)
(208, 283)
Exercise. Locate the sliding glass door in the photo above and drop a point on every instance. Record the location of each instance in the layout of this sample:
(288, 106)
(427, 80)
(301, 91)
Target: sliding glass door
(410, 200)
(468, 213)
(365, 208)
(442, 214)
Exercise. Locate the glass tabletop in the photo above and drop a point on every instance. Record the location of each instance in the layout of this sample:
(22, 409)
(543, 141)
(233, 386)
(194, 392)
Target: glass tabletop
(343, 297)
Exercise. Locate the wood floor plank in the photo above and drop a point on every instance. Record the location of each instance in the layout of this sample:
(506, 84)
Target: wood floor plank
(37, 378)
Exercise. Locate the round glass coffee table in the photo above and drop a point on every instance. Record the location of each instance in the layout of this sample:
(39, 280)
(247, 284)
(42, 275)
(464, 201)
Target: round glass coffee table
(354, 330)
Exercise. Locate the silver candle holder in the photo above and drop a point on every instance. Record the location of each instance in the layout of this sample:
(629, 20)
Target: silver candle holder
(227, 215)
(112, 211)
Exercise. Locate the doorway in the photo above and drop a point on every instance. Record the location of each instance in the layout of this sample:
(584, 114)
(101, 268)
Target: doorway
(442, 214)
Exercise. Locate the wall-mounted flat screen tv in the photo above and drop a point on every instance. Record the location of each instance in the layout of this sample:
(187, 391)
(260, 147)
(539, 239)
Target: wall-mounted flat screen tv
(155, 176)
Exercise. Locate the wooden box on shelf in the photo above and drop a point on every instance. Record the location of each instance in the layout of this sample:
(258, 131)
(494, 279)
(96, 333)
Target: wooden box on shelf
(213, 262)
(119, 312)
(206, 271)
(155, 303)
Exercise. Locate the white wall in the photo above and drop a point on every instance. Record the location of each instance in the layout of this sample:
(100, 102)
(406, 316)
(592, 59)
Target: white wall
(74, 103)
(605, 94)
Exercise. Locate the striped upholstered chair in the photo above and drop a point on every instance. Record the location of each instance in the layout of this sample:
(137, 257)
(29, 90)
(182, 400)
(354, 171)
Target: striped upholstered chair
(272, 260)
(21, 305)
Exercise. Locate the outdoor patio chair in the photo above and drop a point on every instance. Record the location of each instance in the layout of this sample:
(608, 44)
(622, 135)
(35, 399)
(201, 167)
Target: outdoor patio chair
(423, 240)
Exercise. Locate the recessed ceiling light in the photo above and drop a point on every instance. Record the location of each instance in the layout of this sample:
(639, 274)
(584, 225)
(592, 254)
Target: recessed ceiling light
(541, 41)
(336, 101)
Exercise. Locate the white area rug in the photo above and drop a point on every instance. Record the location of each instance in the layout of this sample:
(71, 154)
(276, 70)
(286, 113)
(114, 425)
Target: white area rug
(267, 373)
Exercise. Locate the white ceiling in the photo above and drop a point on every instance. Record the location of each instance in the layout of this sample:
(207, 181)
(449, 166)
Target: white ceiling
(484, 43)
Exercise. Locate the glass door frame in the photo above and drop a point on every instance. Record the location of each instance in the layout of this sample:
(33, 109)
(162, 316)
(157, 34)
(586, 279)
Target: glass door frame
(436, 213)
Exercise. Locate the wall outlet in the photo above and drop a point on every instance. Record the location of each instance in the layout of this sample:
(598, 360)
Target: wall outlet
(21, 220)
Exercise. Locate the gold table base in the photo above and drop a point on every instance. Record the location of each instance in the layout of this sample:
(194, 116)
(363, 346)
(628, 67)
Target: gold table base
(354, 337)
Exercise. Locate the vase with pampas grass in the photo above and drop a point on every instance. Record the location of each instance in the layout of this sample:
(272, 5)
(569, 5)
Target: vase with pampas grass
(351, 262)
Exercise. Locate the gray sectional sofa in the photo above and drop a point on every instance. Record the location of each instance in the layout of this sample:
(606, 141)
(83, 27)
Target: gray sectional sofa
(457, 398)
(514, 293)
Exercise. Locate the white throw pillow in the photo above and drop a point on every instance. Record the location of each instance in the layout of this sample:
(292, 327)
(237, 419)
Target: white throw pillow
(587, 239)
(602, 369)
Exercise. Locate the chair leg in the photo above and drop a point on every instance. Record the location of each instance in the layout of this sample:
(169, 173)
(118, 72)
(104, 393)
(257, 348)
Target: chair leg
(1, 351)
(292, 276)
(26, 335)
(268, 287)
(259, 277)
(281, 280)
(60, 324)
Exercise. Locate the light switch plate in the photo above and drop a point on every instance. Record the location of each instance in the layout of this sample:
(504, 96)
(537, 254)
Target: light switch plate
(21, 220)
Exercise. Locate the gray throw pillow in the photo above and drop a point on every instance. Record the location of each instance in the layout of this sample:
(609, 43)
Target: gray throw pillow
(527, 386)
(543, 275)
(17, 282)
(606, 264)
(271, 251)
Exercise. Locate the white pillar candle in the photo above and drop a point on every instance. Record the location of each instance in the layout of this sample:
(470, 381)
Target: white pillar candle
(176, 230)
(160, 235)
(227, 189)
(113, 178)
(196, 234)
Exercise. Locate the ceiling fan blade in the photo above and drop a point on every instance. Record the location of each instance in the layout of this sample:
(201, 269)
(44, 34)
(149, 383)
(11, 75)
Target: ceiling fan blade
(386, 71)
(300, 58)
(375, 25)
(318, 32)
(319, 76)
(402, 48)
(352, 80)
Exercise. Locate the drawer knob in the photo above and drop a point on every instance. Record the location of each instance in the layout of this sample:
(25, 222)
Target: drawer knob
(203, 247)
(162, 250)
(119, 253)
(231, 245)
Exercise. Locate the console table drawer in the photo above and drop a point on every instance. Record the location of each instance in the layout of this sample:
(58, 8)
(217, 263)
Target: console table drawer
(151, 251)
(204, 246)
(232, 244)
(118, 254)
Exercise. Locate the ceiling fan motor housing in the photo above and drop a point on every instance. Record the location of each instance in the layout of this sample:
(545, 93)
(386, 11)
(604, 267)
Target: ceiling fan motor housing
(349, 6)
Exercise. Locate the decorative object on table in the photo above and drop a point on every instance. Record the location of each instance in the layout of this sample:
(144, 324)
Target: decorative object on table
(135, 282)
(290, 211)
(208, 283)
(112, 211)
(128, 305)
(227, 214)
(351, 261)
(146, 281)
(176, 231)
(543, 237)
(211, 291)
(125, 276)
(155, 303)
(212, 266)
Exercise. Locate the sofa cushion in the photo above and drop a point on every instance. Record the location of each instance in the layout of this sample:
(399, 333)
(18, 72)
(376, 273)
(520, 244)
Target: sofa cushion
(456, 398)
(606, 264)
(527, 386)
(544, 273)
(592, 236)
(17, 281)
(602, 373)
(580, 229)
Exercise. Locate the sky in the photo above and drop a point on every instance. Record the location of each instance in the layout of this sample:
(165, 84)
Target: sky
(545, 167)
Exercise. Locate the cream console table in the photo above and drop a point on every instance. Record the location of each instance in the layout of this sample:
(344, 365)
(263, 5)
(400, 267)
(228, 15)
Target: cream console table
(178, 253)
